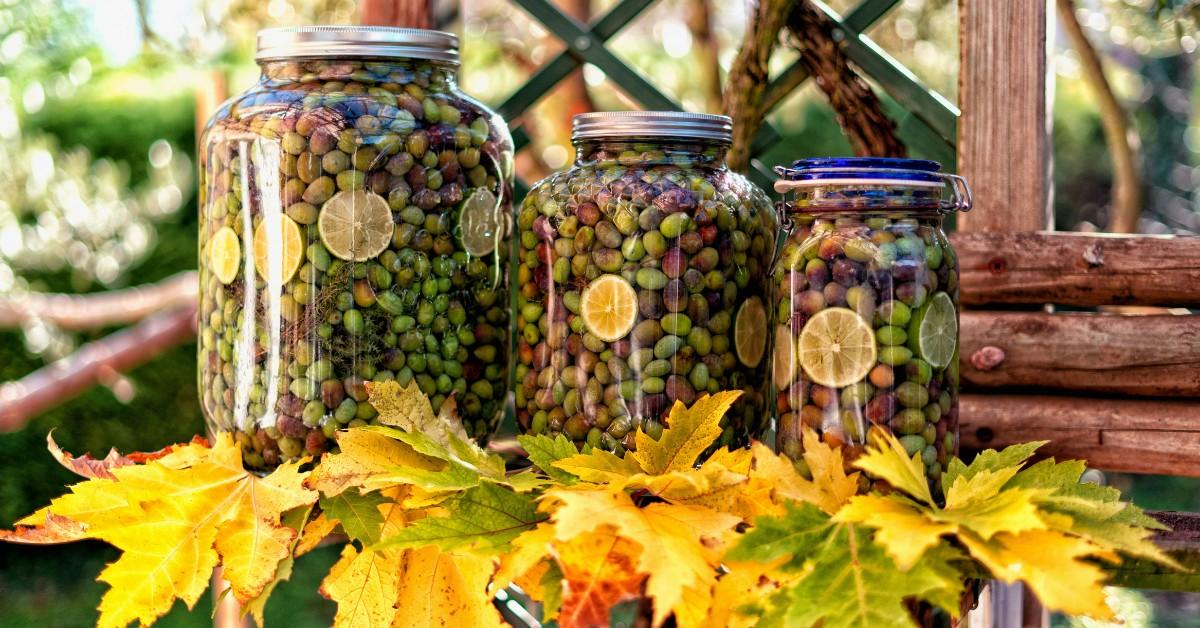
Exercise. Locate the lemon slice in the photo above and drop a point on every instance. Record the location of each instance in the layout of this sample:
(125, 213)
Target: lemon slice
(837, 347)
(224, 254)
(610, 307)
(355, 225)
(933, 331)
(784, 362)
(750, 332)
(479, 223)
(292, 252)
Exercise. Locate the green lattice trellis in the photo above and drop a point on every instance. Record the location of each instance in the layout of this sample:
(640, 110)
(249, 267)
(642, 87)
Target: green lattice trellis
(929, 121)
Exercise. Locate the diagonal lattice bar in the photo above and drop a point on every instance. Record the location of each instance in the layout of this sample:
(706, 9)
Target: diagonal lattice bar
(927, 105)
(563, 64)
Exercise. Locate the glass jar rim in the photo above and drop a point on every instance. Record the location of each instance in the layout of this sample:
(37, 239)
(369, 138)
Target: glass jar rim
(664, 126)
(870, 172)
(381, 42)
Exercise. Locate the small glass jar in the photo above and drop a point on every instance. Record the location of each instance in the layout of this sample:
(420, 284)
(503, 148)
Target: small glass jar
(866, 295)
(354, 227)
(642, 276)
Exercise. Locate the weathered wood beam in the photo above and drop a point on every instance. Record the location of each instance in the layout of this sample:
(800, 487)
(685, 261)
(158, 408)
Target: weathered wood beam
(1143, 436)
(1004, 133)
(1078, 269)
(406, 13)
(1147, 356)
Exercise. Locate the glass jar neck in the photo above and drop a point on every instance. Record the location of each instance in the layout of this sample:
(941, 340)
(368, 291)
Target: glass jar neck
(682, 152)
(868, 198)
(366, 72)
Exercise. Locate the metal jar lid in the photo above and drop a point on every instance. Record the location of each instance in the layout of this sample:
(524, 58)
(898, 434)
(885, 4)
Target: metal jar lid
(356, 41)
(654, 124)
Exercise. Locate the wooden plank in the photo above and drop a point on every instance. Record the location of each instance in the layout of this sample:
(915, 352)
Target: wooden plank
(1182, 542)
(1078, 269)
(1155, 355)
(1004, 133)
(1148, 436)
(406, 13)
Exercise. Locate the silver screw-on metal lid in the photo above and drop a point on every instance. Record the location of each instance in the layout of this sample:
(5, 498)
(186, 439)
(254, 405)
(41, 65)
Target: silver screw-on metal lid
(606, 124)
(356, 41)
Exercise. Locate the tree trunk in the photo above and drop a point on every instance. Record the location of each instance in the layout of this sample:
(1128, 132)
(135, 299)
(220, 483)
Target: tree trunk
(858, 109)
(1122, 143)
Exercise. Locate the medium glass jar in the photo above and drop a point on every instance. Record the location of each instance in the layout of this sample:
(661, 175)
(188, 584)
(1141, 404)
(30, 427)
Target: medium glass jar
(354, 227)
(866, 295)
(642, 281)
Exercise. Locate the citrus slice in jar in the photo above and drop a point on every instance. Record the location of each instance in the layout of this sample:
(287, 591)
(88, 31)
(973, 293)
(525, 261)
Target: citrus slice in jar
(479, 222)
(837, 347)
(224, 254)
(933, 331)
(610, 307)
(784, 362)
(356, 225)
(292, 251)
(750, 332)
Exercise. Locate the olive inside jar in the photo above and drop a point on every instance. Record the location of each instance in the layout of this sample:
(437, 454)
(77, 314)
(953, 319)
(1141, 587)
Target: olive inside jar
(641, 282)
(354, 227)
(866, 295)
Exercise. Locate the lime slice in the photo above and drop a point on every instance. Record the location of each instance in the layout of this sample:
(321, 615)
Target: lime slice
(292, 250)
(750, 332)
(610, 307)
(837, 347)
(479, 223)
(784, 367)
(224, 254)
(355, 225)
(933, 331)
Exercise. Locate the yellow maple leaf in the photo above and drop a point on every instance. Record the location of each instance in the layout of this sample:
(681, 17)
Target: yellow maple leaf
(175, 518)
(600, 467)
(739, 460)
(529, 549)
(743, 582)
(367, 461)
(600, 570)
(443, 589)
(712, 486)
(906, 532)
(314, 533)
(830, 487)
(363, 584)
(887, 458)
(407, 408)
(680, 542)
(689, 432)
(1050, 563)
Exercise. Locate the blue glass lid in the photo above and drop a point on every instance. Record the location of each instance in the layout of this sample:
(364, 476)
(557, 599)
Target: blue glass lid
(850, 169)
(876, 171)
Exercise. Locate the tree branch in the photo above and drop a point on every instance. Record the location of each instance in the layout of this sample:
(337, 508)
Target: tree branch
(706, 52)
(858, 109)
(95, 363)
(101, 309)
(748, 78)
(1122, 145)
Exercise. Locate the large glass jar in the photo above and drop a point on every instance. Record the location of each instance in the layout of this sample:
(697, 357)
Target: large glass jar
(354, 227)
(642, 281)
(866, 294)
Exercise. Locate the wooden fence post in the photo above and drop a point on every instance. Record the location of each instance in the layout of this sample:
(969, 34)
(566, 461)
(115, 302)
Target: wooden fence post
(406, 13)
(1004, 147)
(1004, 133)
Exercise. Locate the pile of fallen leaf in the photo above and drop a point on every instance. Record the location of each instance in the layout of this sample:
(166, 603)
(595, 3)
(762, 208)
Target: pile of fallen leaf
(437, 527)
